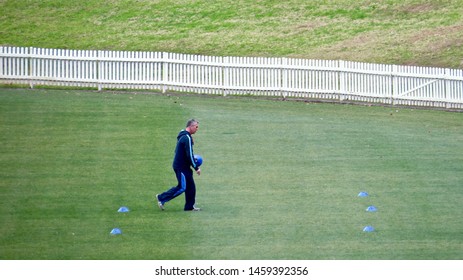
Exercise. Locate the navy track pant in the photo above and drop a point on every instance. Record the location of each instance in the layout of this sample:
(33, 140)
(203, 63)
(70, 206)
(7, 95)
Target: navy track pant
(185, 184)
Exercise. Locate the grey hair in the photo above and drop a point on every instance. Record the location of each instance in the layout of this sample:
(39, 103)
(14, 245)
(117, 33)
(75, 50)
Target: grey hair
(191, 122)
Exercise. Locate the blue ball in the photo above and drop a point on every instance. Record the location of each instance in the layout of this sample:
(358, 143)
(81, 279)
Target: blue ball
(199, 160)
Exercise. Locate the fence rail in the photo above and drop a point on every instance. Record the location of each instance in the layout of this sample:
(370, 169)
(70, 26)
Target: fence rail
(287, 77)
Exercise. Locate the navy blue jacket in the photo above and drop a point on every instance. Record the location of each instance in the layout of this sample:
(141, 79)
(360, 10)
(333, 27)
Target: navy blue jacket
(184, 156)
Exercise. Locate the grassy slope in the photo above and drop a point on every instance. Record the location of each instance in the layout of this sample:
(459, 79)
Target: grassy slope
(418, 32)
(280, 179)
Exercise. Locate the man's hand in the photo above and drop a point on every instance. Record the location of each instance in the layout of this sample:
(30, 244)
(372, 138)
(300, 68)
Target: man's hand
(198, 171)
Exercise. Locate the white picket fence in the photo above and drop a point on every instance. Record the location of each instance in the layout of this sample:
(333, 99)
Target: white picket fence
(286, 77)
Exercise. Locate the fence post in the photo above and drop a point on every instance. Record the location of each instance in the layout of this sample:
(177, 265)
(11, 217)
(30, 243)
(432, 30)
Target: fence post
(284, 76)
(447, 88)
(99, 69)
(394, 84)
(164, 71)
(226, 74)
(342, 80)
(32, 69)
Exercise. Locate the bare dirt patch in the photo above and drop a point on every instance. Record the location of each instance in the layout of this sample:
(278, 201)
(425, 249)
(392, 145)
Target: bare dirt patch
(417, 8)
(440, 35)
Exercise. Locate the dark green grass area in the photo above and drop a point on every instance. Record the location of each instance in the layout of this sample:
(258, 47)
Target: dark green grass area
(279, 180)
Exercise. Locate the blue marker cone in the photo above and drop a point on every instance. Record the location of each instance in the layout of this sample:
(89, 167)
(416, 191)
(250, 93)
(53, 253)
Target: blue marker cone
(368, 229)
(116, 231)
(362, 194)
(371, 209)
(123, 209)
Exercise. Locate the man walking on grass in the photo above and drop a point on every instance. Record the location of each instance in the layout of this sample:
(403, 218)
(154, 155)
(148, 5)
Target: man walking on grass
(183, 162)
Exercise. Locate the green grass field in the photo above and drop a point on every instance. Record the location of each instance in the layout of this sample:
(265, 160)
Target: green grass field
(279, 181)
(280, 178)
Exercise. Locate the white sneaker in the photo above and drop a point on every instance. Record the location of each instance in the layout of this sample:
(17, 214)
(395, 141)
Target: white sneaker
(161, 206)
